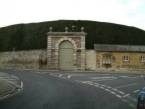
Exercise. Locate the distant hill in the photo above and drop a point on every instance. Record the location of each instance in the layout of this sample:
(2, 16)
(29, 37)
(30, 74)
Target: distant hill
(33, 35)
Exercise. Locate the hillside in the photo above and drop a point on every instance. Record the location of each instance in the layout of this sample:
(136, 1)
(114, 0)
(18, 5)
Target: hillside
(33, 35)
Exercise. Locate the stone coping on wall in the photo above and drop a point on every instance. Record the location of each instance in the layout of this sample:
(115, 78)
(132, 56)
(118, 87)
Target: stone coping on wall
(31, 50)
(69, 34)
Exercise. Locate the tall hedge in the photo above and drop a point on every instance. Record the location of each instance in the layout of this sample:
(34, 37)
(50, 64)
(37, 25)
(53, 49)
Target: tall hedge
(33, 35)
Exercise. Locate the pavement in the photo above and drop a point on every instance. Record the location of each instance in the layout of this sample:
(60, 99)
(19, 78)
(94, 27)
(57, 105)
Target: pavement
(75, 90)
(9, 86)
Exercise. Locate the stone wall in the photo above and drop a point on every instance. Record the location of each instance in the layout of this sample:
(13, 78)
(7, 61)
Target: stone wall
(33, 59)
(90, 60)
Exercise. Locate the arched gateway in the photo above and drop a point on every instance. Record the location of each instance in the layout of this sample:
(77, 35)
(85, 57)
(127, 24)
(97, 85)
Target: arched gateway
(66, 52)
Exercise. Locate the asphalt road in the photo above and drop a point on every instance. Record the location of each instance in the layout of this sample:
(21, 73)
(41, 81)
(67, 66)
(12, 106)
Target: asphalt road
(65, 90)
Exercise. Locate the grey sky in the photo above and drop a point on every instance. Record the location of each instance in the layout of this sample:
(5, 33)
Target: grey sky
(127, 12)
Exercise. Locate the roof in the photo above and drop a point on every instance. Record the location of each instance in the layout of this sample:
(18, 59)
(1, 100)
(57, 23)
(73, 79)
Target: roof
(119, 48)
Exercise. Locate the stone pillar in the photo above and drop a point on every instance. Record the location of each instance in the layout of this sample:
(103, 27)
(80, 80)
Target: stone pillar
(83, 61)
(75, 60)
(49, 51)
(83, 54)
(56, 58)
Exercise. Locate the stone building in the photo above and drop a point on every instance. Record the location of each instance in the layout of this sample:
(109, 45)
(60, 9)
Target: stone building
(117, 57)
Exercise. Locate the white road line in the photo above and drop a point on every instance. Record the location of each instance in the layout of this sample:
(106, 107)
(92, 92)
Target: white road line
(127, 77)
(90, 83)
(121, 92)
(118, 96)
(109, 87)
(85, 82)
(105, 74)
(22, 85)
(96, 85)
(126, 95)
(102, 87)
(135, 91)
(113, 93)
(124, 76)
(141, 76)
(69, 76)
(126, 85)
(107, 90)
(104, 79)
(60, 75)
(118, 91)
(132, 105)
(114, 89)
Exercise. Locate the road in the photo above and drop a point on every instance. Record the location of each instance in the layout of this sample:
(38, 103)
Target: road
(65, 90)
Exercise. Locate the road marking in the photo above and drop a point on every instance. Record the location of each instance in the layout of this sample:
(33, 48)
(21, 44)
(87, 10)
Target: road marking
(102, 87)
(126, 85)
(22, 85)
(112, 92)
(124, 76)
(60, 75)
(109, 87)
(127, 76)
(103, 79)
(69, 76)
(126, 95)
(141, 76)
(129, 103)
(97, 83)
(85, 82)
(121, 92)
(90, 83)
(132, 105)
(118, 96)
(100, 77)
(118, 91)
(115, 89)
(107, 90)
(135, 91)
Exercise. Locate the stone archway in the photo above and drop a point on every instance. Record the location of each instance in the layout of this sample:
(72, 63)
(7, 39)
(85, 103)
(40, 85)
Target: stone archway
(66, 51)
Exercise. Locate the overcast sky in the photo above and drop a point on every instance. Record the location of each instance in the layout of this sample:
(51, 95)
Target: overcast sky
(127, 12)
